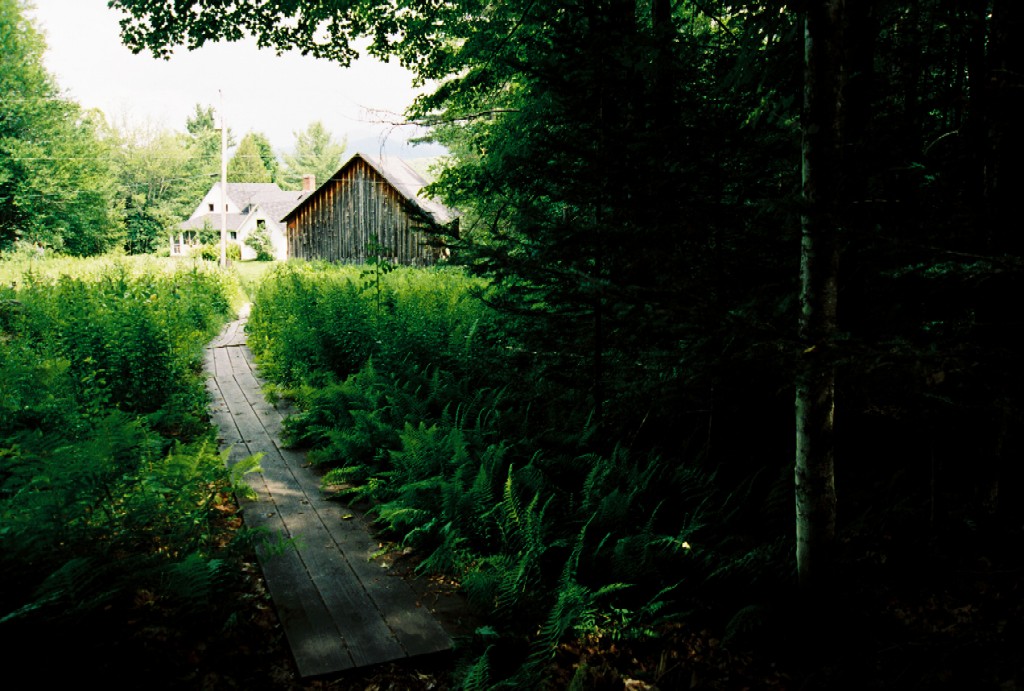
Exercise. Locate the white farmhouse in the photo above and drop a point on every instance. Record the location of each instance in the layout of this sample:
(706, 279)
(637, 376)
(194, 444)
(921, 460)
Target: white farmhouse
(250, 205)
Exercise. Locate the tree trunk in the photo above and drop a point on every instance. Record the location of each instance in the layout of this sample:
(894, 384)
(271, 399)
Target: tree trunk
(1006, 135)
(1005, 180)
(819, 264)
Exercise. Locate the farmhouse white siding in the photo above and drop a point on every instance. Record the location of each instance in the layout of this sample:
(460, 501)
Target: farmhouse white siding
(249, 206)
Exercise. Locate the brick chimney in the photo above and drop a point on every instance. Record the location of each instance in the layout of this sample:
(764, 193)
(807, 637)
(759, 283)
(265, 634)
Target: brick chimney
(308, 182)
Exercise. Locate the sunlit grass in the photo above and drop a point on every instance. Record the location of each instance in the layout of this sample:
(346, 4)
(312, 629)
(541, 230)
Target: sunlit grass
(19, 268)
(250, 274)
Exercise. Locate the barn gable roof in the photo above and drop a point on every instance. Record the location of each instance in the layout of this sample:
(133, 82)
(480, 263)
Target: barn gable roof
(401, 176)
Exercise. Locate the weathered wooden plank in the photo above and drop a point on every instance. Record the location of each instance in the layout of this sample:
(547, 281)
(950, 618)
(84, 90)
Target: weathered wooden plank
(270, 416)
(339, 608)
(368, 637)
(217, 401)
(317, 645)
(249, 426)
(367, 634)
(418, 632)
(239, 363)
(222, 363)
(414, 627)
(312, 627)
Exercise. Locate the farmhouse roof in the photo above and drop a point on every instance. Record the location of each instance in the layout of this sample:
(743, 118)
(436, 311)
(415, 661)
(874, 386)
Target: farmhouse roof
(243, 194)
(248, 196)
(234, 221)
(403, 178)
(279, 208)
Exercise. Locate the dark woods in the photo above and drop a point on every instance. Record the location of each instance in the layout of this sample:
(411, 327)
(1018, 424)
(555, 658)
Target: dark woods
(692, 216)
(639, 196)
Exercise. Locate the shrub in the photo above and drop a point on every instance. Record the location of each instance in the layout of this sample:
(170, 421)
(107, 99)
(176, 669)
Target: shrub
(259, 241)
(109, 473)
(210, 251)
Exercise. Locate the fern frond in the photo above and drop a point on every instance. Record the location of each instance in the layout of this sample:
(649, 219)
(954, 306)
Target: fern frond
(193, 582)
(448, 558)
(478, 676)
(79, 585)
(237, 472)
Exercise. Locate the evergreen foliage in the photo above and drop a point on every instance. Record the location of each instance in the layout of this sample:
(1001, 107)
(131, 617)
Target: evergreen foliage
(317, 152)
(267, 154)
(247, 163)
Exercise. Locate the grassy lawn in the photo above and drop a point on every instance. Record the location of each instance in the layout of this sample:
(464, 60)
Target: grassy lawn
(251, 273)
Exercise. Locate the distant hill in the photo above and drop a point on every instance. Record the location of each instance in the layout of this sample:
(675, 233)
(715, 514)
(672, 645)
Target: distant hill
(393, 146)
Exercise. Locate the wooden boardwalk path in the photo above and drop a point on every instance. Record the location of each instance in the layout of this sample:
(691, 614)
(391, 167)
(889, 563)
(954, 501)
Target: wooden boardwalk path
(340, 610)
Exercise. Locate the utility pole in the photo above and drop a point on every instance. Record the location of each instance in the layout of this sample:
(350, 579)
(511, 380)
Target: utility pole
(223, 185)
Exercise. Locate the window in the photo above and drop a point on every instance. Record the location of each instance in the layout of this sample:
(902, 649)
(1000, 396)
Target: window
(261, 224)
(211, 207)
(233, 235)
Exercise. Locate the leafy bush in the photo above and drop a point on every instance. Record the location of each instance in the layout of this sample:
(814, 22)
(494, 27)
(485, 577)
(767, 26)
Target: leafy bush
(259, 241)
(210, 251)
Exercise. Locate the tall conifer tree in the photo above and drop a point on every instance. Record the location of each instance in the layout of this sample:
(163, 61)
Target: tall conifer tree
(246, 165)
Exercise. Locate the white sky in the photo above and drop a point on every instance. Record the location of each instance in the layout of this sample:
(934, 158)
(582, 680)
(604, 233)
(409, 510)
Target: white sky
(263, 92)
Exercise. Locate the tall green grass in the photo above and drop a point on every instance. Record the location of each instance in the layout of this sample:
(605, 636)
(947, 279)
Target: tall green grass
(109, 472)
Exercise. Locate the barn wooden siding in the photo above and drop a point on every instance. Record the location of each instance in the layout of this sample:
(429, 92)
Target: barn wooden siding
(356, 206)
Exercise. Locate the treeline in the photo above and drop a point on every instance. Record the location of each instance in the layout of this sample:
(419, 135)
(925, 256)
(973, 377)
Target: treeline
(115, 503)
(74, 182)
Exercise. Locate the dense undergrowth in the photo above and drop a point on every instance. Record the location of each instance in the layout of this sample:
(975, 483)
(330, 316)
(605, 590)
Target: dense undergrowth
(419, 398)
(649, 541)
(111, 484)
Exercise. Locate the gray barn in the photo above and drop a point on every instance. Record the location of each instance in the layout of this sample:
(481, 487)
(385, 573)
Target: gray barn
(370, 207)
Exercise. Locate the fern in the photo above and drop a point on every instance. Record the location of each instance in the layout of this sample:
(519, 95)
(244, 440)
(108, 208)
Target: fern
(575, 609)
(480, 582)
(449, 558)
(238, 470)
(478, 676)
(81, 585)
(404, 519)
(194, 581)
(345, 475)
(523, 530)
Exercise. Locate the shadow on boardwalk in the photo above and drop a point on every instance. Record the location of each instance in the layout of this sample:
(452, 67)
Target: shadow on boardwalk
(339, 608)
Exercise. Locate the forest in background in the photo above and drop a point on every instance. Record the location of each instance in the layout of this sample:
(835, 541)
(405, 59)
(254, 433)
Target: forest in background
(634, 178)
(74, 182)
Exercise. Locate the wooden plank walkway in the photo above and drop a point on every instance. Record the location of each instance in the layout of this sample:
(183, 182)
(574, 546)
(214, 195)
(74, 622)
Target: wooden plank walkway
(340, 610)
